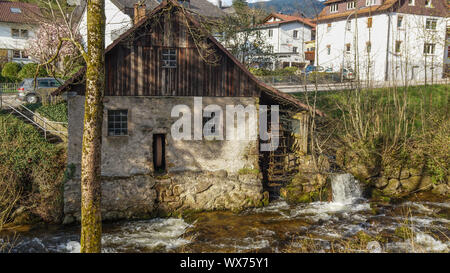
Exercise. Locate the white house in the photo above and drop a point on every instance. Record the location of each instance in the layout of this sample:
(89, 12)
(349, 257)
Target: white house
(383, 40)
(17, 24)
(121, 14)
(287, 37)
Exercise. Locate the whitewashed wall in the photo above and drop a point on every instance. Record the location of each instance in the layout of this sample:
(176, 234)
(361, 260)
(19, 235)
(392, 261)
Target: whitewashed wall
(10, 43)
(373, 66)
(117, 23)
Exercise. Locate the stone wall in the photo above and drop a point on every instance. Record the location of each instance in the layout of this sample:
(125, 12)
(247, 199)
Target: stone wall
(201, 175)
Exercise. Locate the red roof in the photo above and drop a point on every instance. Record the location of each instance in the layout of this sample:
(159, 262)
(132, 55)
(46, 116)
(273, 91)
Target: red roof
(287, 19)
(25, 12)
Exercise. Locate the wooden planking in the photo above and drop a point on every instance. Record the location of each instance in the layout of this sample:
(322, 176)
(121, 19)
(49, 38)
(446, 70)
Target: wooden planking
(134, 69)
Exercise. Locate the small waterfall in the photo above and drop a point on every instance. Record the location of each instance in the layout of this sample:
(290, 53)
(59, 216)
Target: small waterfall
(346, 189)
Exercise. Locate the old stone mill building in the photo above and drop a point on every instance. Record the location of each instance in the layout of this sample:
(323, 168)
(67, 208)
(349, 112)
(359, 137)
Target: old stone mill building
(164, 61)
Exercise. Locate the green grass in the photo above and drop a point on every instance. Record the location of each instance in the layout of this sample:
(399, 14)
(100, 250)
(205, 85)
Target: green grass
(55, 112)
(432, 98)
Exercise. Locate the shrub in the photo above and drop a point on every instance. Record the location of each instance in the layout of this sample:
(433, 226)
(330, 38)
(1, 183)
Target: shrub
(10, 71)
(29, 71)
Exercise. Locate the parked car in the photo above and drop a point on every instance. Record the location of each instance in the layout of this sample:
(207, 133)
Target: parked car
(44, 86)
(347, 74)
(312, 68)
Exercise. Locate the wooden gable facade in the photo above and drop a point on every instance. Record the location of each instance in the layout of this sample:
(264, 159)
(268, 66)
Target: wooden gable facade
(135, 65)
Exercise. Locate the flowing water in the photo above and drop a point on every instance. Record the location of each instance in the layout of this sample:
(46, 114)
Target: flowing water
(349, 223)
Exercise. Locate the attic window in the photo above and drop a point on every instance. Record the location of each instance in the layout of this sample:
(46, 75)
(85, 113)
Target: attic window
(169, 58)
(16, 10)
(334, 8)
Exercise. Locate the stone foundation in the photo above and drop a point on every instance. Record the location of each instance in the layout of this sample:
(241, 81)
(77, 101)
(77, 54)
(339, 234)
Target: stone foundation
(145, 196)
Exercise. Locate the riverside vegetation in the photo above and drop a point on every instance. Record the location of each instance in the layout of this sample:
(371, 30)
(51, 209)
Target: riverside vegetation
(395, 140)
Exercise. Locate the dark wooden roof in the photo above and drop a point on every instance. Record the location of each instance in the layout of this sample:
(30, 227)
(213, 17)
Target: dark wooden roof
(193, 76)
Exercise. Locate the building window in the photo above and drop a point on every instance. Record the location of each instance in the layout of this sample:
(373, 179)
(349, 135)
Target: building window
(16, 10)
(370, 3)
(369, 22)
(169, 57)
(411, 2)
(19, 33)
(117, 122)
(368, 46)
(351, 5)
(428, 48)
(295, 34)
(428, 4)
(334, 8)
(399, 21)
(271, 49)
(18, 54)
(349, 25)
(328, 27)
(431, 24)
(270, 33)
(348, 48)
(159, 153)
(295, 49)
(328, 49)
(398, 46)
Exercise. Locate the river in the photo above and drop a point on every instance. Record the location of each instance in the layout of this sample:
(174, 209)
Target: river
(348, 224)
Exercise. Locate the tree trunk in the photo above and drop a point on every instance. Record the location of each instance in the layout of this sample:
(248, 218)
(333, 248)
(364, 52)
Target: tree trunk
(91, 220)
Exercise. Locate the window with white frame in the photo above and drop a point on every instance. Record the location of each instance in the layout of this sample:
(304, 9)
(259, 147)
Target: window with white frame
(428, 4)
(349, 25)
(328, 49)
(371, 2)
(428, 48)
(169, 58)
(430, 24)
(351, 4)
(270, 32)
(19, 33)
(295, 49)
(398, 47)
(19, 54)
(400, 21)
(334, 8)
(295, 34)
(411, 2)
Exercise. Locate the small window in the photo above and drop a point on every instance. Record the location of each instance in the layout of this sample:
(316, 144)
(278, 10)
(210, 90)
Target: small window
(399, 21)
(398, 46)
(431, 24)
(351, 5)
(349, 25)
(411, 2)
(16, 10)
(270, 33)
(368, 46)
(328, 49)
(15, 33)
(428, 4)
(348, 47)
(271, 49)
(295, 49)
(117, 122)
(24, 33)
(334, 8)
(295, 34)
(16, 54)
(169, 57)
(369, 22)
(159, 153)
(428, 48)
(370, 3)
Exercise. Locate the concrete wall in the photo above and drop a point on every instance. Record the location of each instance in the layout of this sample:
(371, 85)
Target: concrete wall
(203, 174)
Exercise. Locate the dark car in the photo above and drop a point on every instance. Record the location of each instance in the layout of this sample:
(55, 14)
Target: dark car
(32, 93)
